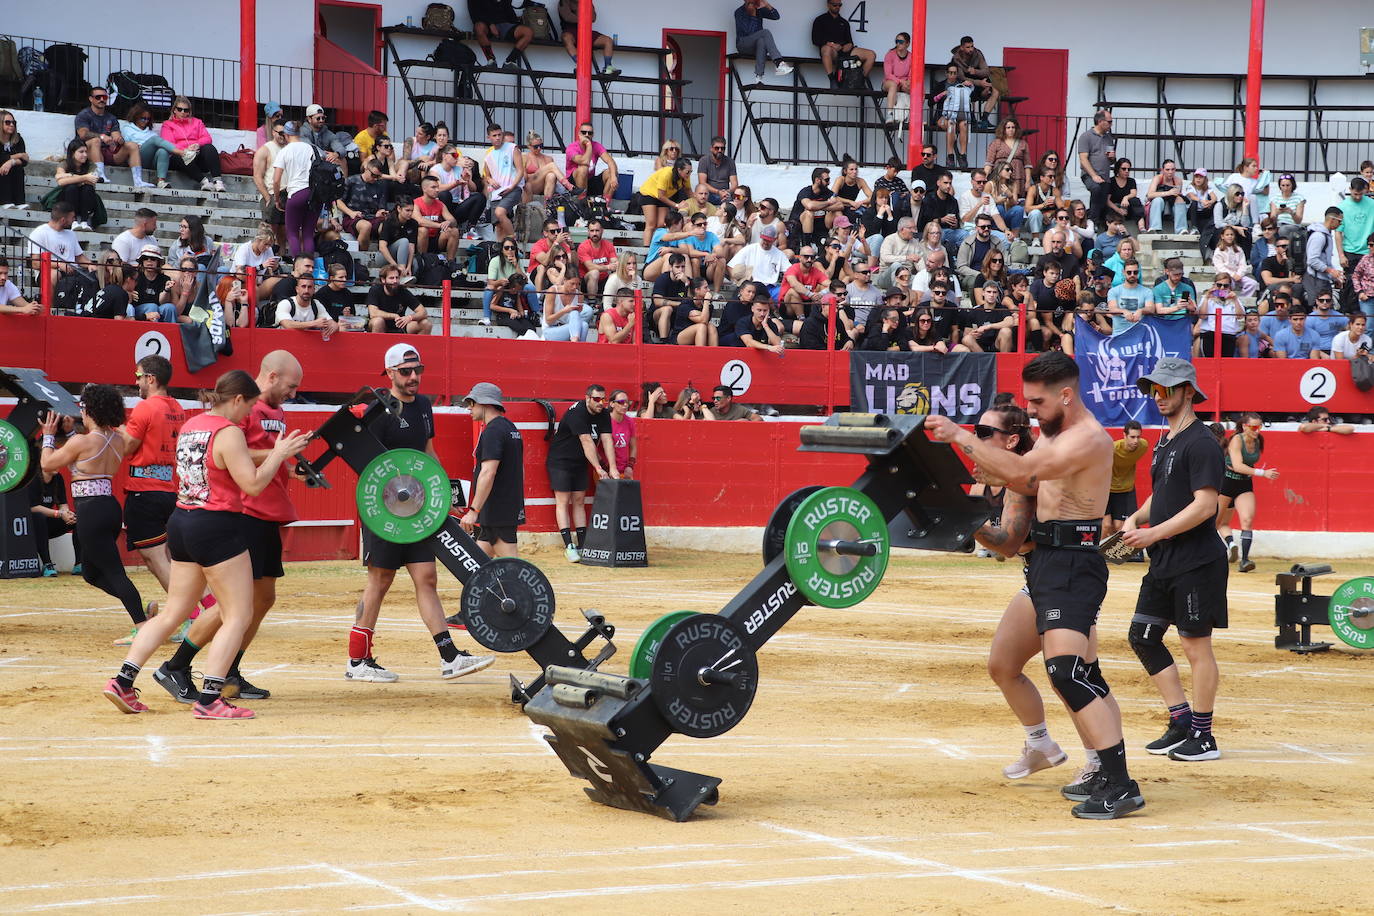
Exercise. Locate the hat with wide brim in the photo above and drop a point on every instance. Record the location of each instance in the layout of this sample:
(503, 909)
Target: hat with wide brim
(484, 393)
(1171, 371)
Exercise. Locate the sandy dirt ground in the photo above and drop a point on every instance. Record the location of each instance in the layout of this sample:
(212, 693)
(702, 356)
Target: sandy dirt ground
(867, 777)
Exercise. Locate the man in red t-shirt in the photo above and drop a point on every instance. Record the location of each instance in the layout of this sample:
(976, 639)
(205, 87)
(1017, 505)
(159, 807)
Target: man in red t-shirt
(555, 238)
(804, 283)
(263, 517)
(438, 229)
(150, 492)
(595, 259)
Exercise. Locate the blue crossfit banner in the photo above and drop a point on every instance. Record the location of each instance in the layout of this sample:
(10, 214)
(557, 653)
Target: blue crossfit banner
(1111, 366)
(957, 385)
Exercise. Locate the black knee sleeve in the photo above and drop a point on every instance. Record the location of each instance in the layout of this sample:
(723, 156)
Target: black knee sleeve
(1147, 639)
(1069, 675)
(1096, 679)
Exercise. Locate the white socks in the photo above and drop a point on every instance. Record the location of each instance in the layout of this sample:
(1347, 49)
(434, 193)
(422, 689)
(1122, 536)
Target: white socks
(1038, 737)
(1091, 759)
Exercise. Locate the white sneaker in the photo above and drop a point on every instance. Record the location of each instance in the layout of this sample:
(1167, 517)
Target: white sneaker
(140, 183)
(783, 68)
(464, 664)
(81, 225)
(407, 279)
(219, 185)
(367, 669)
(1033, 761)
(206, 184)
(571, 553)
(6, 206)
(484, 321)
(21, 206)
(982, 553)
(162, 184)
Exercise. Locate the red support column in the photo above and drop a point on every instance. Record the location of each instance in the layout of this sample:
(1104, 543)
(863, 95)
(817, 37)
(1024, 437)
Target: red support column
(1254, 78)
(830, 399)
(248, 64)
(1021, 327)
(250, 281)
(916, 123)
(447, 311)
(45, 281)
(1216, 352)
(584, 61)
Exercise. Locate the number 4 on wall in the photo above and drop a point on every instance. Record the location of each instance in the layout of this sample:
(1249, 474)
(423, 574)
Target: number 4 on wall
(858, 16)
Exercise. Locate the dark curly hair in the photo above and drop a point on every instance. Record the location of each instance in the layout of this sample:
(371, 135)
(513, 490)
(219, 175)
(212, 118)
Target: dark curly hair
(104, 405)
(1016, 421)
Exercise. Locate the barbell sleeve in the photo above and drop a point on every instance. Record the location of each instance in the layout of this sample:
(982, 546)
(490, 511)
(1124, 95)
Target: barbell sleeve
(850, 548)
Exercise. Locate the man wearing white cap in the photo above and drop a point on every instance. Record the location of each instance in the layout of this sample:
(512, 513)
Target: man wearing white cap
(497, 506)
(337, 148)
(414, 428)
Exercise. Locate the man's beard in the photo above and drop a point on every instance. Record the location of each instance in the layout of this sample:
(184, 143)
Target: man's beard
(1051, 427)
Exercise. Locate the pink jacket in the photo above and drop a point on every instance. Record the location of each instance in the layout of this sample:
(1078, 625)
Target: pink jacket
(183, 133)
(1363, 278)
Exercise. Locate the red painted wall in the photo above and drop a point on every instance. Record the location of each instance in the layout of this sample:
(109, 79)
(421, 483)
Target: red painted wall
(1042, 77)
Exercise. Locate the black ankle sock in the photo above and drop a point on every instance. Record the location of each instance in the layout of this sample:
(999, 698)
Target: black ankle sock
(581, 536)
(234, 668)
(210, 688)
(181, 658)
(447, 650)
(1246, 539)
(1114, 762)
(127, 672)
(566, 534)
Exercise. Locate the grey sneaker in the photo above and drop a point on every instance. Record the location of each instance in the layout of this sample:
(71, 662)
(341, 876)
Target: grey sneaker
(179, 682)
(367, 669)
(1033, 761)
(1110, 800)
(571, 553)
(1081, 789)
(464, 664)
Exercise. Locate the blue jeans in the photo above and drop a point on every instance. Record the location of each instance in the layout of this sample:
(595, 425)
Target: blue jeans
(1035, 222)
(574, 326)
(953, 237)
(158, 152)
(761, 45)
(1367, 306)
(166, 312)
(531, 296)
(1012, 216)
(1180, 209)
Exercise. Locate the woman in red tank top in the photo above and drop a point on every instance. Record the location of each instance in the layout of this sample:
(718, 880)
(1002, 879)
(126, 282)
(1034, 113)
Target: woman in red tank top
(205, 540)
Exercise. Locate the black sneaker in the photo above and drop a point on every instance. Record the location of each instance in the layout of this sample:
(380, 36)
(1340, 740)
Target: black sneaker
(1176, 735)
(178, 682)
(1198, 746)
(1110, 800)
(242, 689)
(1081, 789)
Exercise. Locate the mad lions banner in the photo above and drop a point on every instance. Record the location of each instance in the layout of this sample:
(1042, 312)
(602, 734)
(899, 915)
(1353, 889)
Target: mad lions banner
(957, 385)
(1111, 366)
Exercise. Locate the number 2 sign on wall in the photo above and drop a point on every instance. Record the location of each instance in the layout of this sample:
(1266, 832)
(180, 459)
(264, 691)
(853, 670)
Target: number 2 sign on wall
(1317, 385)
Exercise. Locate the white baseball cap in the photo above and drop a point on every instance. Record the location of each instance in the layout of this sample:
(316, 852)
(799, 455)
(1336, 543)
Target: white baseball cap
(400, 354)
(312, 110)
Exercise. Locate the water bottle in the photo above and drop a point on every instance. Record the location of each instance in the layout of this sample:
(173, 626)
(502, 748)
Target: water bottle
(562, 224)
(410, 22)
(321, 275)
(37, 98)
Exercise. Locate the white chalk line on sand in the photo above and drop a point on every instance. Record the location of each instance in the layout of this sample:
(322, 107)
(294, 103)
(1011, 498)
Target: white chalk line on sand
(406, 896)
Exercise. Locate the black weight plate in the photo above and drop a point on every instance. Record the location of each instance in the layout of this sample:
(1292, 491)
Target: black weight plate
(508, 604)
(694, 708)
(775, 535)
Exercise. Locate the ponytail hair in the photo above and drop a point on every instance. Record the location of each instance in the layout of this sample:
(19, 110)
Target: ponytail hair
(1017, 421)
(228, 386)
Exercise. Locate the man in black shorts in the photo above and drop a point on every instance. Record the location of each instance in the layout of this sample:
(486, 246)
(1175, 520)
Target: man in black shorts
(1186, 584)
(1069, 470)
(414, 428)
(497, 506)
(1126, 454)
(572, 453)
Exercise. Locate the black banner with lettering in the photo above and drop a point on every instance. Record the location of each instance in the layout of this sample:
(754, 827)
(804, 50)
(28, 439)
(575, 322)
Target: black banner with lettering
(955, 385)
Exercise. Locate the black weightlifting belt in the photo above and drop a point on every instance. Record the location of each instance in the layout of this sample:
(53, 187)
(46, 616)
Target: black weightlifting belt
(1068, 534)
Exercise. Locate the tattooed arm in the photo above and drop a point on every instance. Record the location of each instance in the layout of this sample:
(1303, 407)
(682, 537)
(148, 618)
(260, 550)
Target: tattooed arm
(1008, 536)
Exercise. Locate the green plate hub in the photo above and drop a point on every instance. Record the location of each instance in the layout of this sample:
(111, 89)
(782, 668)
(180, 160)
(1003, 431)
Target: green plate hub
(403, 496)
(1351, 613)
(642, 658)
(832, 576)
(16, 459)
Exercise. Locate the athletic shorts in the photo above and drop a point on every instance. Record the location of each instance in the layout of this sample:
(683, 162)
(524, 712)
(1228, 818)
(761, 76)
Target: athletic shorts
(1122, 506)
(596, 185)
(205, 537)
(273, 215)
(509, 201)
(385, 554)
(1232, 487)
(503, 29)
(646, 201)
(491, 534)
(145, 517)
(1067, 585)
(350, 223)
(1194, 601)
(565, 479)
(264, 547)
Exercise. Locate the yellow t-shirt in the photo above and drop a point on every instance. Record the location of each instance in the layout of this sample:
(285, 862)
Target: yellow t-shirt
(1123, 464)
(365, 142)
(660, 182)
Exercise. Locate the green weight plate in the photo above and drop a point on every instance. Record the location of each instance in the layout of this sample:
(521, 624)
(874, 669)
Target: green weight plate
(1351, 612)
(642, 658)
(403, 496)
(835, 576)
(16, 457)
(775, 535)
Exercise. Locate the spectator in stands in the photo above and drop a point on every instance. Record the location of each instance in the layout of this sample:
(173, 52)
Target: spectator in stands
(888, 332)
(831, 35)
(138, 128)
(496, 20)
(273, 118)
(1009, 147)
(435, 221)
(11, 302)
(743, 199)
(618, 322)
(878, 222)
(1277, 269)
(653, 402)
(400, 237)
(191, 239)
(588, 166)
(976, 249)
(1056, 241)
(1318, 420)
(1353, 342)
(978, 201)
(503, 174)
(500, 270)
(1082, 230)
(1352, 240)
(263, 161)
(1126, 247)
(626, 276)
(420, 148)
(463, 198)
(668, 154)
(669, 289)
(567, 316)
(151, 297)
(335, 146)
(1298, 341)
(699, 202)
(930, 331)
(291, 190)
(129, 243)
(717, 172)
(1252, 342)
(595, 259)
(1323, 269)
(258, 254)
(76, 181)
(804, 284)
(393, 168)
(689, 406)
(766, 216)
(1174, 296)
(1234, 210)
(892, 182)
(113, 301)
(658, 194)
(705, 256)
(1123, 196)
(897, 250)
(337, 298)
(98, 130)
(555, 241)
(1221, 297)
(365, 203)
(1325, 322)
(543, 175)
(1288, 205)
(723, 406)
(897, 75)
(366, 139)
(994, 269)
(1246, 177)
(1229, 258)
(1042, 201)
(303, 312)
(816, 200)
(1130, 300)
(814, 333)
(14, 157)
(392, 309)
(936, 267)
(692, 318)
(181, 294)
(196, 154)
(1362, 280)
(927, 172)
(854, 247)
(952, 100)
(1202, 201)
(1096, 152)
(756, 329)
(513, 305)
(731, 229)
(761, 261)
(1264, 243)
(973, 66)
(851, 191)
(1166, 192)
(567, 21)
(1002, 187)
(942, 207)
(1106, 242)
(752, 38)
(990, 325)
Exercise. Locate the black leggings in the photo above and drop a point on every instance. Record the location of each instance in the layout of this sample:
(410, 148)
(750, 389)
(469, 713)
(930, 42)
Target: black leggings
(12, 186)
(84, 201)
(468, 210)
(98, 520)
(205, 163)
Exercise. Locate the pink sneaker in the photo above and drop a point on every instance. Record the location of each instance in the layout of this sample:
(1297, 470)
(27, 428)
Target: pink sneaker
(126, 700)
(221, 709)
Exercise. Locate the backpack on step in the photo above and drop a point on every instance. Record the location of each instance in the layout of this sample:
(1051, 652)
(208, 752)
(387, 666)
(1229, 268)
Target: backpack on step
(453, 53)
(536, 17)
(438, 16)
(11, 73)
(326, 182)
(849, 72)
(69, 62)
(529, 223)
(429, 269)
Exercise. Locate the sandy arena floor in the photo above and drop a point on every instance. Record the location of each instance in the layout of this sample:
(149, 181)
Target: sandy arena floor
(866, 778)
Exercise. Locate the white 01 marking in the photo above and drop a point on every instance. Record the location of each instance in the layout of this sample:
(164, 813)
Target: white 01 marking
(152, 343)
(737, 376)
(1318, 385)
